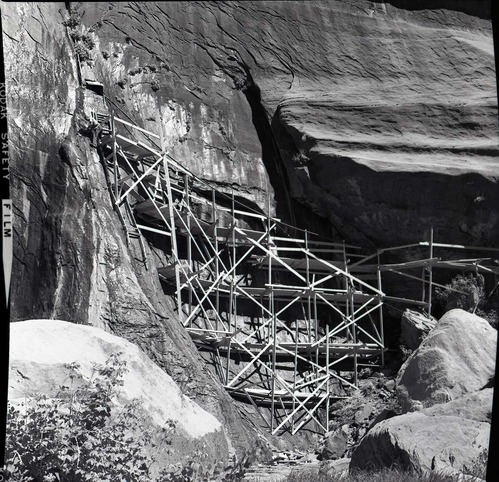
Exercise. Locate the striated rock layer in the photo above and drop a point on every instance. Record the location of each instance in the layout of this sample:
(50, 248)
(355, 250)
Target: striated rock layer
(378, 116)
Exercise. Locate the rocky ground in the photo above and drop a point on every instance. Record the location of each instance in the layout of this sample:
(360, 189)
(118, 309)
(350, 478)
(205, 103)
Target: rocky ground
(434, 415)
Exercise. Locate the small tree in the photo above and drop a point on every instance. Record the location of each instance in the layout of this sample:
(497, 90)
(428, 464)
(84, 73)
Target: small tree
(74, 438)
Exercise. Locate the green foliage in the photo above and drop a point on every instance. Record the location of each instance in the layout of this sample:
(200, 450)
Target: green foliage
(468, 293)
(405, 351)
(82, 436)
(83, 42)
(478, 467)
(74, 438)
(73, 20)
(300, 158)
(241, 83)
(462, 291)
(82, 52)
(88, 42)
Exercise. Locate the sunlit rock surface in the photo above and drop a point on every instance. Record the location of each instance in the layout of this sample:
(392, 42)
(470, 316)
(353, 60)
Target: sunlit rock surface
(41, 352)
(378, 116)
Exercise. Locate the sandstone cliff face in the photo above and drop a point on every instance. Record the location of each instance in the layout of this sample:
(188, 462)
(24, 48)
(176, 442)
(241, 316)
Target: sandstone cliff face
(71, 259)
(377, 116)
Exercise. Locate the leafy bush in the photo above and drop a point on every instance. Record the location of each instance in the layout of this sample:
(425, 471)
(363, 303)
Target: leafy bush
(81, 436)
(405, 351)
(300, 158)
(241, 83)
(88, 42)
(478, 467)
(464, 292)
(84, 42)
(468, 293)
(82, 52)
(73, 20)
(74, 439)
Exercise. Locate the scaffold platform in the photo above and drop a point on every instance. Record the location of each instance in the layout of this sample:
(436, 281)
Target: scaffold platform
(278, 310)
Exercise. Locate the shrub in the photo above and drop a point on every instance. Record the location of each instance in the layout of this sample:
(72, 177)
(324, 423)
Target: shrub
(74, 439)
(73, 20)
(405, 351)
(88, 41)
(82, 52)
(84, 42)
(300, 158)
(241, 83)
(468, 293)
(478, 467)
(464, 292)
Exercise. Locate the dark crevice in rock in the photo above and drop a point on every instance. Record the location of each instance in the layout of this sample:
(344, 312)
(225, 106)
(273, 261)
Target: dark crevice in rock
(271, 156)
(306, 217)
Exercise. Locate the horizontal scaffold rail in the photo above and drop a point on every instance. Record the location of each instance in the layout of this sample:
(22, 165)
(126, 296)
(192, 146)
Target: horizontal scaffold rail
(286, 317)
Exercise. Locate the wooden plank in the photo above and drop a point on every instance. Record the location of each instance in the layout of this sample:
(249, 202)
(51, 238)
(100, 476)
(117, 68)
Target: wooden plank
(409, 264)
(135, 148)
(299, 264)
(465, 266)
(127, 185)
(150, 208)
(168, 272)
(460, 246)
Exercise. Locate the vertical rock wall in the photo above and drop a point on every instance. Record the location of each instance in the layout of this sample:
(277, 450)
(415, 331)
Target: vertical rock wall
(71, 258)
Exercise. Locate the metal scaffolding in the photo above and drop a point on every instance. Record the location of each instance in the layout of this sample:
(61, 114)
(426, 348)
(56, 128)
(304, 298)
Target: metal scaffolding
(286, 318)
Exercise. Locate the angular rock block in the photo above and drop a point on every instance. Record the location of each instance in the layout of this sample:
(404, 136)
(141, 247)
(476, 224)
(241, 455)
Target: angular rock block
(446, 437)
(456, 358)
(415, 327)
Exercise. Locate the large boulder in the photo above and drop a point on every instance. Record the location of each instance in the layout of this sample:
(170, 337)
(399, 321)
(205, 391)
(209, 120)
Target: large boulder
(447, 437)
(40, 351)
(415, 327)
(456, 358)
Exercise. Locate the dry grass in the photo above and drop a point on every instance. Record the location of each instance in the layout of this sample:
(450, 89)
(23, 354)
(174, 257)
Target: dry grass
(385, 475)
